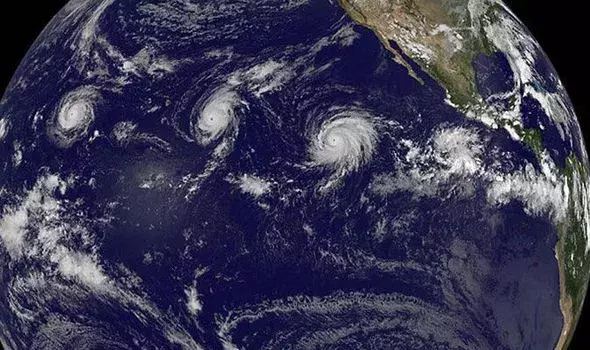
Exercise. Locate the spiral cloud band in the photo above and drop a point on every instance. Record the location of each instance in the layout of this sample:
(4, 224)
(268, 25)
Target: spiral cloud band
(215, 117)
(73, 116)
(344, 142)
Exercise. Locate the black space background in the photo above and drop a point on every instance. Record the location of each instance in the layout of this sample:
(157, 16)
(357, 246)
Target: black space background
(560, 27)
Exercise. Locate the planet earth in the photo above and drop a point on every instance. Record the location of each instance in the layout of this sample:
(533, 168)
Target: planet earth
(297, 174)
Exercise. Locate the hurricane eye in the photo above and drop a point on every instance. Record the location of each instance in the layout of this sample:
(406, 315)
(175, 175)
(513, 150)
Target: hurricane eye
(76, 115)
(73, 116)
(344, 142)
(214, 117)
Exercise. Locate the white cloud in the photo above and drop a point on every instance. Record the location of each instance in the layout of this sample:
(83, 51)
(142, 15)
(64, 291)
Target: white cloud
(193, 304)
(3, 128)
(39, 226)
(437, 168)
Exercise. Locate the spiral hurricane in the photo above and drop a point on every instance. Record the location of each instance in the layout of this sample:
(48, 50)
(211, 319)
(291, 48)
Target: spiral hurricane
(344, 142)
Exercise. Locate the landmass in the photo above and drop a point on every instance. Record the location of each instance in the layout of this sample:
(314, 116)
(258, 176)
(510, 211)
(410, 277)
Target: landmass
(436, 34)
(443, 37)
